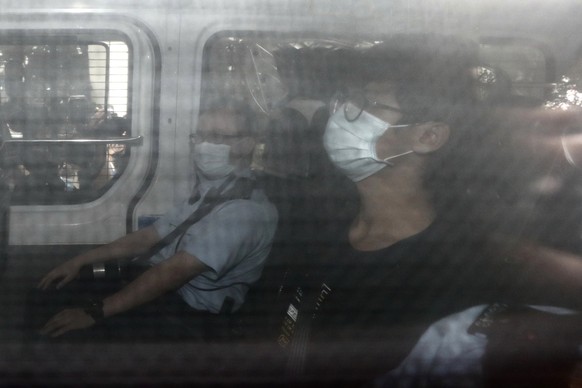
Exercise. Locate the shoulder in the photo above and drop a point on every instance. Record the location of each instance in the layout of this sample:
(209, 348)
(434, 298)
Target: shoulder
(257, 207)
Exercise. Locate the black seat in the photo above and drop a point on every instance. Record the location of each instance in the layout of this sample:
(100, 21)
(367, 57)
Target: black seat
(313, 200)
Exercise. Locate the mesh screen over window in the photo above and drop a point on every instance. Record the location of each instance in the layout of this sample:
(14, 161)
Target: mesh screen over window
(60, 91)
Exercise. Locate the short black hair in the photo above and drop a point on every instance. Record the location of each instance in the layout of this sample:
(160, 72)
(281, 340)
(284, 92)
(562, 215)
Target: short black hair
(476, 181)
(431, 74)
(434, 81)
(238, 107)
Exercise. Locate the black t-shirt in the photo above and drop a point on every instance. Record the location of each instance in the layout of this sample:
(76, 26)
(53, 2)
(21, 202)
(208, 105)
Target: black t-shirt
(392, 295)
(411, 279)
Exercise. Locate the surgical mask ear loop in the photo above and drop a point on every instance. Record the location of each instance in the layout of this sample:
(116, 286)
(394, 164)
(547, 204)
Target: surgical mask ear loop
(387, 160)
(567, 153)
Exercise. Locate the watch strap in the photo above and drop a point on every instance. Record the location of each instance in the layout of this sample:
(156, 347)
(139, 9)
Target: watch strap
(95, 309)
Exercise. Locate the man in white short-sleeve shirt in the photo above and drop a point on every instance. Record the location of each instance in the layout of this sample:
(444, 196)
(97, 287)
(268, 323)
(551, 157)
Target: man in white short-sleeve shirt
(232, 241)
(216, 258)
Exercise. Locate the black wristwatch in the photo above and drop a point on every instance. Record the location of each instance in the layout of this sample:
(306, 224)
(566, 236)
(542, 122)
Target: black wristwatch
(95, 309)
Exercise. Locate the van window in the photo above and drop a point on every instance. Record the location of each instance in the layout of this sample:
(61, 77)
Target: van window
(527, 67)
(63, 100)
(278, 71)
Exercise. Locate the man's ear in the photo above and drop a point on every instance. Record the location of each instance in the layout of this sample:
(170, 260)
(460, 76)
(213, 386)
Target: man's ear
(430, 137)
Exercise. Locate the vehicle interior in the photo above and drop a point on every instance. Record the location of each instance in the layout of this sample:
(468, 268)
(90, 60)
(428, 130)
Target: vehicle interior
(70, 137)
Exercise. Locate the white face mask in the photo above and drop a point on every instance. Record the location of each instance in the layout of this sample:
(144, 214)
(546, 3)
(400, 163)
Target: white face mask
(351, 146)
(213, 160)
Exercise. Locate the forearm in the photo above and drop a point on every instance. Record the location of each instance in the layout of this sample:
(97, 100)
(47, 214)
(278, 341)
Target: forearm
(153, 283)
(130, 245)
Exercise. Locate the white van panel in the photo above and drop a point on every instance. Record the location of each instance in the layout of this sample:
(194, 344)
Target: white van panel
(105, 218)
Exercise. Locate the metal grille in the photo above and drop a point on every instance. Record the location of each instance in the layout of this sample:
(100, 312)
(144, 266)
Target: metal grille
(110, 86)
(63, 91)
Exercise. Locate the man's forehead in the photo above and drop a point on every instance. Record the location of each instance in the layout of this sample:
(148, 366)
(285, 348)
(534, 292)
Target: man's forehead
(220, 120)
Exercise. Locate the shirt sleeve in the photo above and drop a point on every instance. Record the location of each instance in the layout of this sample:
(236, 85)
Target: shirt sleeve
(169, 221)
(227, 235)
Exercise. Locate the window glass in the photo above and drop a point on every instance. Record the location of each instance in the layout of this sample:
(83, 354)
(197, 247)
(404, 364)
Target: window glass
(523, 65)
(53, 91)
(275, 72)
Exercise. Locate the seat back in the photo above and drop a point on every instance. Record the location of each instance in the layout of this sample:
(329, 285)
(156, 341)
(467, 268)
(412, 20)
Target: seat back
(314, 201)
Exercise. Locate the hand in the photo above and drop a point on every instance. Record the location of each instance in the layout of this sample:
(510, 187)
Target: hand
(67, 320)
(64, 273)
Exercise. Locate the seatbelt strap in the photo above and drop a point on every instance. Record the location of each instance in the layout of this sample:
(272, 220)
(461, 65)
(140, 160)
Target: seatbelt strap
(242, 189)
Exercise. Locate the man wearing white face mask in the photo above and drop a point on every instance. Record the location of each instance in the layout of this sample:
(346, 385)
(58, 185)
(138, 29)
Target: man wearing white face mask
(422, 153)
(367, 140)
(221, 144)
(211, 264)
